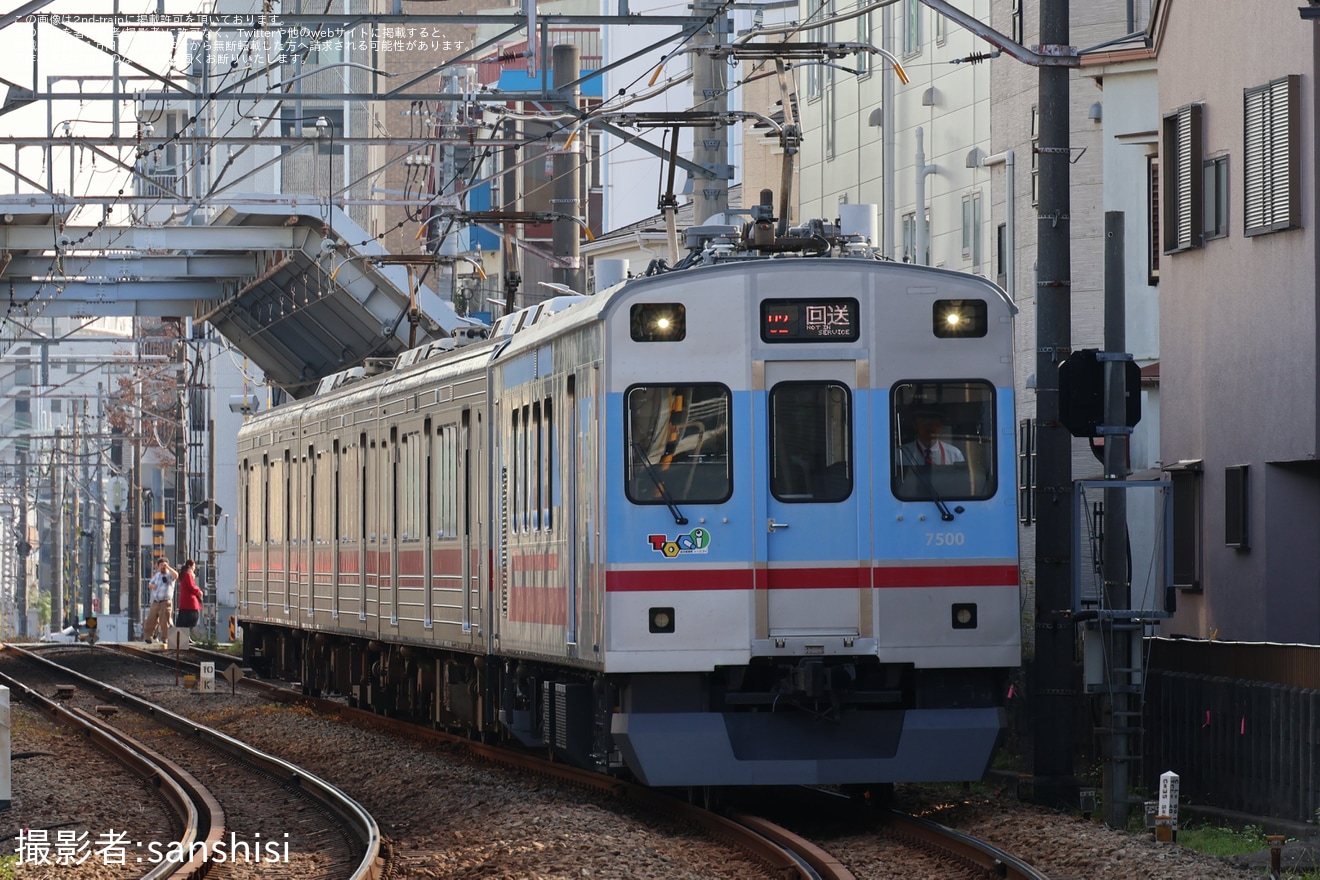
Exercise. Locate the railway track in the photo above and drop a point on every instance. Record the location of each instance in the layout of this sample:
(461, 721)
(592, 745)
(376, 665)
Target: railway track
(876, 843)
(237, 811)
(783, 852)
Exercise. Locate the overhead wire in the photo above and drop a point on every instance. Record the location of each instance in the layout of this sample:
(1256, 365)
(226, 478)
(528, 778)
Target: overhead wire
(611, 102)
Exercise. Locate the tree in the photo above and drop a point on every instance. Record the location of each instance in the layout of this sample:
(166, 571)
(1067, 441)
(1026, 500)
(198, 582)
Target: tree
(146, 403)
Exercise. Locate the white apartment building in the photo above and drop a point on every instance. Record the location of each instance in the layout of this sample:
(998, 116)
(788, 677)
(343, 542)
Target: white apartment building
(872, 139)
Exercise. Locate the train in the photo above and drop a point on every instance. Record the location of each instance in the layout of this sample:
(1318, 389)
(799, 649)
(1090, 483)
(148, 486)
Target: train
(686, 530)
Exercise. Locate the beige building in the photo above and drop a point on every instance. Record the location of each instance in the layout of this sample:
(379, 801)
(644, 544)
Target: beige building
(1240, 323)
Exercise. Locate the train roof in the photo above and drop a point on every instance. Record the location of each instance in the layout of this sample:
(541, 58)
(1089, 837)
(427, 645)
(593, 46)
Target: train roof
(587, 309)
(532, 325)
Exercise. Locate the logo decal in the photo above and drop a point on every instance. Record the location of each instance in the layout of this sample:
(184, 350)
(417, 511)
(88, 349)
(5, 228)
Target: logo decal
(695, 541)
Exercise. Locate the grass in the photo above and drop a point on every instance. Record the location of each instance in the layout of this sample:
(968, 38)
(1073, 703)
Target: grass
(1217, 840)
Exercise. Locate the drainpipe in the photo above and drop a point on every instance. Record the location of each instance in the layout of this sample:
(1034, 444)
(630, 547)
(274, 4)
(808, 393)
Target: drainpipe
(1010, 261)
(892, 244)
(920, 217)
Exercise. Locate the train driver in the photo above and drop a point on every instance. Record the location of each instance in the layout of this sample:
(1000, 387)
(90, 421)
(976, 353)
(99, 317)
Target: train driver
(926, 448)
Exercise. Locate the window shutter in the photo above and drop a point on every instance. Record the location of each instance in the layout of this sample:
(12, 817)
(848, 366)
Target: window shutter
(1182, 179)
(1153, 256)
(1271, 157)
(1255, 181)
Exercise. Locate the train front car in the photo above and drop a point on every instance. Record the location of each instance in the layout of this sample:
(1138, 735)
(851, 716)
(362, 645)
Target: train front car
(809, 525)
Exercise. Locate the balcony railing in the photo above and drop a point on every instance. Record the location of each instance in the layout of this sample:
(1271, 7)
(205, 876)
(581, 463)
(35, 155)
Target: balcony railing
(161, 185)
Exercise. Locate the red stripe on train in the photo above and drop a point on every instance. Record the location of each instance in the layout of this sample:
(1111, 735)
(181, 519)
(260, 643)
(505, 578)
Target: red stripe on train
(678, 579)
(947, 576)
(854, 578)
(685, 579)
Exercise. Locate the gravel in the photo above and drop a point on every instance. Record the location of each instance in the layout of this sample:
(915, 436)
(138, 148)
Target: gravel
(445, 815)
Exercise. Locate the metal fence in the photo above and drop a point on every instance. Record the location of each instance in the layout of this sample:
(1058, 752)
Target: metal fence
(1238, 722)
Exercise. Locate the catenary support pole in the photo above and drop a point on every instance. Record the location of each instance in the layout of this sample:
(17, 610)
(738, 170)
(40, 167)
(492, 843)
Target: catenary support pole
(567, 198)
(57, 535)
(710, 145)
(24, 546)
(1054, 676)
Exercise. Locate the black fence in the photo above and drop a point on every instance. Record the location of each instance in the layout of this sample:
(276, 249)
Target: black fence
(1238, 722)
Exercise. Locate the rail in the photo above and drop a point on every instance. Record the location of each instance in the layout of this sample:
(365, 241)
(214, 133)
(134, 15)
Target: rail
(354, 817)
(994, 861)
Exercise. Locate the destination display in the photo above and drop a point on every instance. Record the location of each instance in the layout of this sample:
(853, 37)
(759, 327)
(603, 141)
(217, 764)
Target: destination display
(809, 320)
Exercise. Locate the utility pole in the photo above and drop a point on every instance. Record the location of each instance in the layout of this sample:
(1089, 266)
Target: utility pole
(76, 477)
(181, 449)
(57, 537)
(115, 571)
(24, 547)
(82, 520)
(1120, 670)
(96, 540)
(210, 600)
(132, 548)
(1053, 673)
(567, 195)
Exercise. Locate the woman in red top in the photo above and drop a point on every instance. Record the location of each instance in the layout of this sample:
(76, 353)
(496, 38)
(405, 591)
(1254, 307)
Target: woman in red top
(190, 597)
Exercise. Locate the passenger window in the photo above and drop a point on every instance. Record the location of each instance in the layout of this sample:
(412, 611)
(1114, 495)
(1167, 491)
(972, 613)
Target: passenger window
(811, 458)
(943, 441)
(677, 440)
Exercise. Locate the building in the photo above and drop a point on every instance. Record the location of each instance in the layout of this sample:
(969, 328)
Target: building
(873, 139)
(1240, 319)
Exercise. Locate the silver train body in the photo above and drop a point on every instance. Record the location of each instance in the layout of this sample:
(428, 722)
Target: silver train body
(683, 530)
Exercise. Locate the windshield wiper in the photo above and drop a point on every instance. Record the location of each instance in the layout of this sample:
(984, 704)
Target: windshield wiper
(679, 518)
(923, 476)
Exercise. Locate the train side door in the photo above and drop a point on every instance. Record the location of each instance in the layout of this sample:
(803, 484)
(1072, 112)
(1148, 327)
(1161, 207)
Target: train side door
(263, 517)
(387, 566)
(817, 565)
(362, 520)
(371, 539)
(287, 496)
(469, 584)
(304, 599)
(569, 508)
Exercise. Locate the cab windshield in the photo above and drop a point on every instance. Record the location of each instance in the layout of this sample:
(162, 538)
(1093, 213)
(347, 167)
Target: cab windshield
(677, 444)
(943, 440)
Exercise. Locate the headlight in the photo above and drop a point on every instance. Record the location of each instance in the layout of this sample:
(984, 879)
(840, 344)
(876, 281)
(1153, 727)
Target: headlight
(958, 318)
(657, 322)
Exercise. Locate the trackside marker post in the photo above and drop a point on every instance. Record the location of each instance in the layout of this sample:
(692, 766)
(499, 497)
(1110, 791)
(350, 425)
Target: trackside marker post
(1166, 820)
(207, 682)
